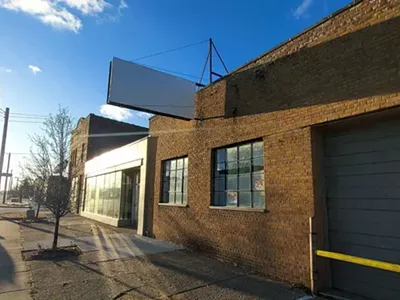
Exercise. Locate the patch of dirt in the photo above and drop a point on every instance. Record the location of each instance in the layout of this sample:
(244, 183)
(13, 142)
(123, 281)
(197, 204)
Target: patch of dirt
(21, 217)
(41, 220)
(49, 254)
(13, 216)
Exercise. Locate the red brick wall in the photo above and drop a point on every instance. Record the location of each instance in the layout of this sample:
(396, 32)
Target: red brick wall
(275, 242)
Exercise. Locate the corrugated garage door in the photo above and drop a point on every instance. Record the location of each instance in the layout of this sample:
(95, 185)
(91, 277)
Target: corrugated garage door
(362, 169)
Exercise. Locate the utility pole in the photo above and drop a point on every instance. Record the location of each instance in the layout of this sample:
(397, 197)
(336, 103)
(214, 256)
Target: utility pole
(5, 185)
(19, 192)
(3, 142)
(10, 185)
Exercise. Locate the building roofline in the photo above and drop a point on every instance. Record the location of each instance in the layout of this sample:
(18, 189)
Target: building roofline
(123, 146)
(116, 121)
(77, 123)
(308, 29)
(134, 142)
(101, 117)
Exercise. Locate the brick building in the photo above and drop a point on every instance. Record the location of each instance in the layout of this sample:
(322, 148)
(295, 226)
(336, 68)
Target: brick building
(95, 135)
(305, 135)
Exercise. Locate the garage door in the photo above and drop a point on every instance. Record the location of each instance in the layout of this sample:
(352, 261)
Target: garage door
(362, 170)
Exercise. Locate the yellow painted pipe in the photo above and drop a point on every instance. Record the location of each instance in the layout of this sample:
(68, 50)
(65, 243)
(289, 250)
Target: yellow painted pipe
(360, 261)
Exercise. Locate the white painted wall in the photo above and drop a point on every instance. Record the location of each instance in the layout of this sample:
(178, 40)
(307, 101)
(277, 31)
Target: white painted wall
(125, 157)
(100, 218)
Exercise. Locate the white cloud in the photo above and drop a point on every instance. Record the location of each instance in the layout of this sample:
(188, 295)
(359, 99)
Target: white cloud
(122, 4)
(59, 13)
(302, 9)
(87, 6)
(115, 112)
(141, 114)
(5, 70)
(47, 11)
(34, 69)
(114, 17)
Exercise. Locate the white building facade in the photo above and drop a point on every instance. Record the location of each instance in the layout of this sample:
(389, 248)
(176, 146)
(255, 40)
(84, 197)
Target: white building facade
(115, 184)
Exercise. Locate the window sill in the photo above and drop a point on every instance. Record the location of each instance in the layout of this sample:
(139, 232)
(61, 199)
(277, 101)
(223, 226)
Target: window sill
(249, 209)
(173, 204)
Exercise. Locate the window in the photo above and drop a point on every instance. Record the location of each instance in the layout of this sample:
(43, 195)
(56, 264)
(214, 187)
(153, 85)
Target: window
(82, 152)
(103, 194)
(100, 197)
(73, 157)
(74, 189)
(175, 181)
(239, 176)
(90, 194)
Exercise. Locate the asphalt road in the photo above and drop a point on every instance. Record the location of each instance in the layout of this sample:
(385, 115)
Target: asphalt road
(12, 209)
(16, 209)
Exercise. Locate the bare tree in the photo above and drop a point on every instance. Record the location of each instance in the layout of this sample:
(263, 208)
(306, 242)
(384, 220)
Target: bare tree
(39, 169)
(48, 166)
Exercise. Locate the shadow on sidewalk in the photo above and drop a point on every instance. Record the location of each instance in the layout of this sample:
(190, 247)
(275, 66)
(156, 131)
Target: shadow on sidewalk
(7, 268)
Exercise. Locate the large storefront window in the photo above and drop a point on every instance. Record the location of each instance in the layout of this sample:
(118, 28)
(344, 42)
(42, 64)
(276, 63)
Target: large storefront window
(103, 194)
(175, 181)
(239, 176)
(90, 194)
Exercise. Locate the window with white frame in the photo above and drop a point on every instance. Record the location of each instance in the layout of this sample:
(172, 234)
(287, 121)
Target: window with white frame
(239, 176)
(175, 181)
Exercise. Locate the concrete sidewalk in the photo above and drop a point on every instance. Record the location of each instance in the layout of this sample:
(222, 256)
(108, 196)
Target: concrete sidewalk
(14, 275)
(118, 264)
(102, 241)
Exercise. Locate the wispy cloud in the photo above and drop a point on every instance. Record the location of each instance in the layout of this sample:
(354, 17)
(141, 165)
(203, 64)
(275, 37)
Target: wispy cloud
(88, 7)
(58, 14)
(122, 5)
(5, 70)
(115, 112)
(302, 9)
(113, 17)
(141, 114)
(34, 69)
(47, 11)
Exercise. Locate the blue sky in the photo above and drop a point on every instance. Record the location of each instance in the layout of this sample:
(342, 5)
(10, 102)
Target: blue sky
(58, 52)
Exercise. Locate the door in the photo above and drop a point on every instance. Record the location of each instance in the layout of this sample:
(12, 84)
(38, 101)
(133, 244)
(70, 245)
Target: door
(362, 179)
(135, 196)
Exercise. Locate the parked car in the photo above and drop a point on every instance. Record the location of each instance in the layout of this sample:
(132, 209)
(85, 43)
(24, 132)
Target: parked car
(13, 199)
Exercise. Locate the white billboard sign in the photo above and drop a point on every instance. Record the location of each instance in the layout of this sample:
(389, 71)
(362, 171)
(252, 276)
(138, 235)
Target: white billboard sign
(141, 88)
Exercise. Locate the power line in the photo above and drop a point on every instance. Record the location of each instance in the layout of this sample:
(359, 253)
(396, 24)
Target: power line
(170, 50)
(2, 110)
(21, 121)
(29, 115)
(20, 153)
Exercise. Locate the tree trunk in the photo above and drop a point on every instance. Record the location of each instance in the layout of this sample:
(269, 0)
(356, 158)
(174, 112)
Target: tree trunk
(38, 210)
(56, 233)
